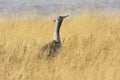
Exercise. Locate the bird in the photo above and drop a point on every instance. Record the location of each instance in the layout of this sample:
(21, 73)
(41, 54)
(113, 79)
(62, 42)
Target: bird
(49, 50)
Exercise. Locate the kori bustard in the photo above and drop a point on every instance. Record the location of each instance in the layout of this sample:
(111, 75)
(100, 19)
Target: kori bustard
(50, 48)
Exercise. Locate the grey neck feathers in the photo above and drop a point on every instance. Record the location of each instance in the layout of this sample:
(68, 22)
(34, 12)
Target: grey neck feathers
(57, 31)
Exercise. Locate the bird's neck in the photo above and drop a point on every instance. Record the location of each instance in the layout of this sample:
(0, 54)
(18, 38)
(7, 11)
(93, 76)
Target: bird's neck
(57, 31)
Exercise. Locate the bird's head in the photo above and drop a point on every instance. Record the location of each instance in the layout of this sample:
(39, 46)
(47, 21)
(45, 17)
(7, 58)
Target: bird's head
(60, 18)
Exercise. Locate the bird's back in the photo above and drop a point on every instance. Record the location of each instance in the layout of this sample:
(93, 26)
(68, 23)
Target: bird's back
(49, 49)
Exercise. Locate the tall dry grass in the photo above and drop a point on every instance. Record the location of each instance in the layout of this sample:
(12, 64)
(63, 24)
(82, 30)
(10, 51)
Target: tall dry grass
(91, 48)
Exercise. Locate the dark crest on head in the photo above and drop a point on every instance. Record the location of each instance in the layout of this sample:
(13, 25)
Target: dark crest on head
(60, 18)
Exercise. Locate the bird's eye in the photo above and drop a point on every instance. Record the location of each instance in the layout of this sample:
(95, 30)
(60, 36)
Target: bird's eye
(60, 19)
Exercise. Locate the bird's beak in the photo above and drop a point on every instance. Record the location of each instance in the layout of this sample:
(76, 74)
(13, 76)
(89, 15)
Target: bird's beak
(65, 16)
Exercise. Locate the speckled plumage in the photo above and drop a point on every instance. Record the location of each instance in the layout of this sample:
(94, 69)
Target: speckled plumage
(49, 49)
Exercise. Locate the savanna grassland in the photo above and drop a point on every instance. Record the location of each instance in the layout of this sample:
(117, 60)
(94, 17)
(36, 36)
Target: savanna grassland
(90, 50)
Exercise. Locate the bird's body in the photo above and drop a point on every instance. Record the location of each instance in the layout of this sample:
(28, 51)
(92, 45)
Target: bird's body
(52, 47)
